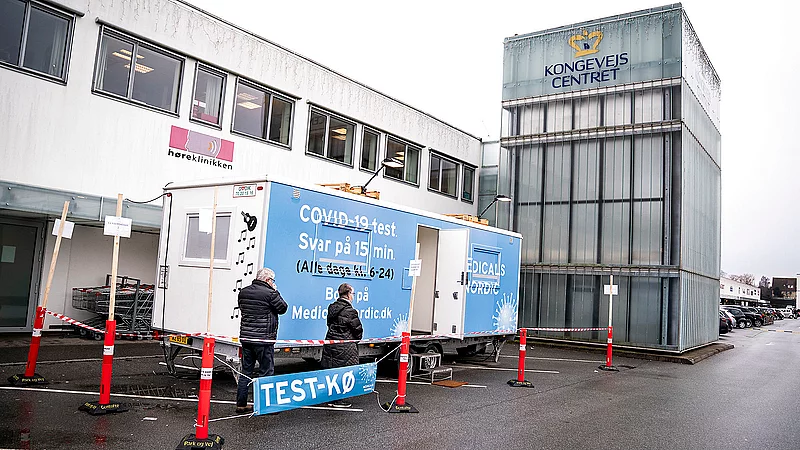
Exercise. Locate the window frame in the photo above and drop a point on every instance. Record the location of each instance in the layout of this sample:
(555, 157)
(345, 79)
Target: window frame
(442, 157)
(219, 263)
(272, 94)
(367, 129)
(137, 43)
(328, 115)
(407, 144)
(58, 12)
(464, 168)
(199, 66)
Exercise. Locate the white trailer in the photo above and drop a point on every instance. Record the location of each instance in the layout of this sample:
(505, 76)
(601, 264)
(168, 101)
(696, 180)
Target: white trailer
(315, 238)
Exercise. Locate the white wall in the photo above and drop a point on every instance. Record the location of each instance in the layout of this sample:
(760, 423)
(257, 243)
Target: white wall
(84, 261)
(741, 291)
(83, 142)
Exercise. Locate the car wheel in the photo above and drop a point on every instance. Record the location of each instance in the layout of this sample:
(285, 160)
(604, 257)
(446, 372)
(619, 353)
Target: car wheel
(758, 323)
(748, 323)
(741, 323)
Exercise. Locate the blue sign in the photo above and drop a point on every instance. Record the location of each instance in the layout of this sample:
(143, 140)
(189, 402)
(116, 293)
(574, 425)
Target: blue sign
(316, 241)
(284, 392)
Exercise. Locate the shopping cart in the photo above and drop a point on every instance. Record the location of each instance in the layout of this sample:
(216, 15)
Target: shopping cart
(133, 306)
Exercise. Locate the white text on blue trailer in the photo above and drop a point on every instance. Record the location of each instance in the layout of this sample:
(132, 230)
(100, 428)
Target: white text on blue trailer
(316, 238)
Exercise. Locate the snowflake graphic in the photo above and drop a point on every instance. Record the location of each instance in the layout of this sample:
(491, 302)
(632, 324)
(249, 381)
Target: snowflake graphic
(400, 325)
(506, 314)
(367, 372)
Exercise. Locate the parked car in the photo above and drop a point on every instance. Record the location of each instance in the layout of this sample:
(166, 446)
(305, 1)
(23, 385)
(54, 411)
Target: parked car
(730, 317)
(724, 325)
(789, 313)
(756, 316)
(742, 320)
(767, 314)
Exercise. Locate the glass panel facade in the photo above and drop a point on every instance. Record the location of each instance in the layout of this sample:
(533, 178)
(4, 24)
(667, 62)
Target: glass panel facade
(641, 200)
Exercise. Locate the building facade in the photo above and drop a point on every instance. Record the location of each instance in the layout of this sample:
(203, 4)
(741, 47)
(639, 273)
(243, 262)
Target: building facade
(783, 291)
(732, 292)
(610, 149)
(99, 98)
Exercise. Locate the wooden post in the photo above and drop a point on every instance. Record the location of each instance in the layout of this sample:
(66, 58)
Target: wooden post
(207, 364)
(55, 255)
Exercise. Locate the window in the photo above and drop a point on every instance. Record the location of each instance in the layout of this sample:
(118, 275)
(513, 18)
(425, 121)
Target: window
(443, 176)
(408, 155)
(154, 80)
(198, 243)
(262, 114)
(468, 184)
(331, 137)
(369, 150)
(35, 37)
(209, 90)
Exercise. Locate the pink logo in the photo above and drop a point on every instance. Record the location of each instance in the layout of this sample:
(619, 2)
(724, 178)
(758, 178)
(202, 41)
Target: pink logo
(201, 144)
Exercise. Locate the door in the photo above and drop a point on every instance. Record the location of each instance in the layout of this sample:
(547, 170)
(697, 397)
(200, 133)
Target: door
(452, 280)
(18, 251)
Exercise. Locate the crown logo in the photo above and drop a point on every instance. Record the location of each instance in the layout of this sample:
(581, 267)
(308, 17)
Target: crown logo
(582, 43)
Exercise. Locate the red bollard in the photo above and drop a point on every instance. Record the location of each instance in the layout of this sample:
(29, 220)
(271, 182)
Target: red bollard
(400, 405)
(108, 362)
(608, 365)
(104, 405)
(204, 398)
(30, 377)
(201, 438)
(33, 352)
(523, 343)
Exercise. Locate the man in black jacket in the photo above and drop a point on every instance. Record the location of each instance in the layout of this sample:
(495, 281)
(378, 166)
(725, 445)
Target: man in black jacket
(260, 304)
(343, 324)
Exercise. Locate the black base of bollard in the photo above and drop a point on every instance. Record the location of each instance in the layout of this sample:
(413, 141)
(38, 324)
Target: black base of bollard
(395, 408)
(608, 368)
(213, 441)
(22, 380)
(96, 409)
(517, 383)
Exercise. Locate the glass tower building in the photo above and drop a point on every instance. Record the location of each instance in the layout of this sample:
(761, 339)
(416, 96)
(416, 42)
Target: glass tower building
(610, 149)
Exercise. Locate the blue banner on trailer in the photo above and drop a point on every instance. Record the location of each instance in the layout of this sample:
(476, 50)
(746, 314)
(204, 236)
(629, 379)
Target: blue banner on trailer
(315, 241)
(284, 392)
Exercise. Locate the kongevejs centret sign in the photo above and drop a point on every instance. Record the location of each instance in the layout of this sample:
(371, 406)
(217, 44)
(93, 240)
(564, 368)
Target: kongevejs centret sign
(587, 70)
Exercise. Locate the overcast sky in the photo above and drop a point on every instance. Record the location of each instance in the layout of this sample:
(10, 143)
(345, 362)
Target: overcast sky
(446, 58)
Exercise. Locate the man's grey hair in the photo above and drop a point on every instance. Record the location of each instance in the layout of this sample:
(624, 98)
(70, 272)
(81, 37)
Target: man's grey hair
(265, 274)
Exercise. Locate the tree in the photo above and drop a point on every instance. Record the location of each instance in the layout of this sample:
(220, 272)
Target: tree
(746, 278)
(764, 283)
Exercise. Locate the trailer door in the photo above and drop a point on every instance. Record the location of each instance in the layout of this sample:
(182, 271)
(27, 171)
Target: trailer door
(452, 280)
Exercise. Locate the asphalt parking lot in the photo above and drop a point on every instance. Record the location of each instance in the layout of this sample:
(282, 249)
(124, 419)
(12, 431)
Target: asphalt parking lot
(647, 404)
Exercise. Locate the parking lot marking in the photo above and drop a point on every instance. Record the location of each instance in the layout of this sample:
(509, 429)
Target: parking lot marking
(152, 397)
(60, 361)
(428, 384)
(504, 369)
(556, 359)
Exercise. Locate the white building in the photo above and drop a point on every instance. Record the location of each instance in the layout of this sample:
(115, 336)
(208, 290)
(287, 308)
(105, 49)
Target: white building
(205, 99)
(735, 293)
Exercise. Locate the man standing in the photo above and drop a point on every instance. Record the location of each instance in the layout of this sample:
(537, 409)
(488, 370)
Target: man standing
(260, 304)
(343, 324)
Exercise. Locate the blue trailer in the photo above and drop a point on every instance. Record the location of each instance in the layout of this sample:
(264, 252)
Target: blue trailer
(315, 238)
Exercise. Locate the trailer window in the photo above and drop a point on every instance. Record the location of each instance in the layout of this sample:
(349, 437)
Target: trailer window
(198, 243)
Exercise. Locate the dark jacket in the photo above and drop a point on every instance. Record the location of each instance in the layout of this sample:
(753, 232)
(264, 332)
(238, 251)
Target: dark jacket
(343, 324)
(260, 306)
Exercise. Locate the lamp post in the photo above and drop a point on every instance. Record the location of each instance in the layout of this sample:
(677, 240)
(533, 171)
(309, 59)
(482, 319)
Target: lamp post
(388, 162)
(497, 198)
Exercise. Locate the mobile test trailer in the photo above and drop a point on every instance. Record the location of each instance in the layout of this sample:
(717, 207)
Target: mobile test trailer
(316, 238)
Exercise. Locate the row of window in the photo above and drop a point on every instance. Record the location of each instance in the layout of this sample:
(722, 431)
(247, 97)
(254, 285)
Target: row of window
(34, 37)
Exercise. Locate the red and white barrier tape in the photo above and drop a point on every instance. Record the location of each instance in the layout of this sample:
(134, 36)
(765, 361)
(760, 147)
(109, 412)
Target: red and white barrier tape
(275, 341)
(567, 329)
